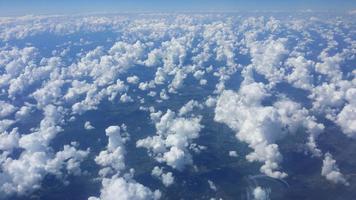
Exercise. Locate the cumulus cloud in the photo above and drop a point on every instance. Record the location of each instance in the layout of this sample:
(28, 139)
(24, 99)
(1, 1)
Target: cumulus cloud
(133, 79)
(119, 188)
(23, 175)
(260, 194)
(346, 119)
(112, 160)
(9, 140)
(6, 109)
(212, 185)
(166, 178)
(261, 131)
(164, 56)
(88, 126)
(23, 112)
(233, 154)
(188, 107)
(173, 138)
(331, 171)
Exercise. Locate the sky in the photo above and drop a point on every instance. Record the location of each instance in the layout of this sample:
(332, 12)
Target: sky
(24, 7)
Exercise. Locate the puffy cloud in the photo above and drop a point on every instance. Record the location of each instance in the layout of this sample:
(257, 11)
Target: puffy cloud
(120, 188)
(88, 126)
(210, 101)
(260, 194)
(188, 107)
(331, 171)
(175, 50)
(212, 185)
(23, 175)
(69, 158)
(166, 178)
(267, 57)
(133, 79)
(346, 119)
(301, 75)
(23, 112)
(113, 161)
(113, 158)
(177, 81)
(6, 109)
(238, 111)
(233, 154)
(173, 138)
(9, 140)
(5, 124)
(330, 65)
(126, 98)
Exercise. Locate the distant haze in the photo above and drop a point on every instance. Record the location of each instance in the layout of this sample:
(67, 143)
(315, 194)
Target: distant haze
(23, 7)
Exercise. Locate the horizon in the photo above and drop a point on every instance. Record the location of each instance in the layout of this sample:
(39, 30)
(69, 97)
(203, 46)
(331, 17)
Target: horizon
(40, 7)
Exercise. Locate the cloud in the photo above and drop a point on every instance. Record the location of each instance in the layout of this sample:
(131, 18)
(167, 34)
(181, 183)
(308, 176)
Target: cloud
(331, 171)
(212, 185)
(238, 110)
(133, 79)
(6, 109)
(188, 107)
(9, 140)
(260, 194)
(69, 158)
(119, 188)
(112, 159)
(166, 178)
(23, 112)
(165, 56)
(173, 138)
(88, 126)
(233, 154)
(24, 174)
(346, 119)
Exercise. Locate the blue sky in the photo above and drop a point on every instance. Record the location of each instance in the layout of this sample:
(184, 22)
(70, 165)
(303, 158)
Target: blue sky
(20, 7)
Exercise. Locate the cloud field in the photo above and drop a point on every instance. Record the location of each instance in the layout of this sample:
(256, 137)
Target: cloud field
(279, 85)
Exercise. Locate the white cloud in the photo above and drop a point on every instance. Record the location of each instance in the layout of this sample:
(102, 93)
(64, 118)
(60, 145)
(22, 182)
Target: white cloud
(88, 126)
(212, 185)
(23, 113)
(173, 138)
(174, 49)
(166, 178)
(113, 162)
(233, 154)
(126, 98)
(188, 107)
(69, 158)
(113, 158)
(210, 101)
(346, 119)
(301, 75)
(120, 188)
(6, 109)
(133, 79)
(331, 171)
(260, 132)
(24, 174)
(9, 140)
(238, 110)
(5, 124)
(260, 194)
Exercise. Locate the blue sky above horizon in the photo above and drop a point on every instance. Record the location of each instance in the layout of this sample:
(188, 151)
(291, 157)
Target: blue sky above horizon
(23, 7)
